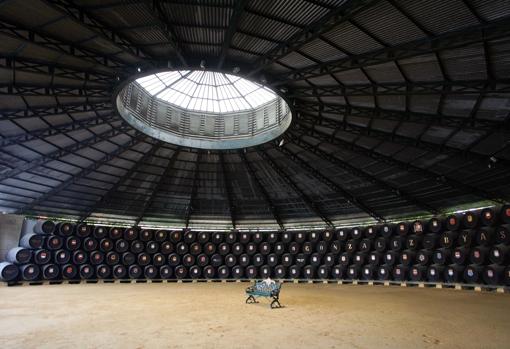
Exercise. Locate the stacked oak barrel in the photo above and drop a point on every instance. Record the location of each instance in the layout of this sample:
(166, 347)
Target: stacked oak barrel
(472, 247)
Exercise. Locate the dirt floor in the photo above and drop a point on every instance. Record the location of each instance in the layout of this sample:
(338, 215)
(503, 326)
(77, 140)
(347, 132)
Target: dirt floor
(215, 316)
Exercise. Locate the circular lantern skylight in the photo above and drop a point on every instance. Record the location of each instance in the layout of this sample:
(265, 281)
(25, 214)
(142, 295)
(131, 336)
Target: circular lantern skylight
(203, 109)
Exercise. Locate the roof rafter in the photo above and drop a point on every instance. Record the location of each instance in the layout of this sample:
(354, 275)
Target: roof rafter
(232, 27)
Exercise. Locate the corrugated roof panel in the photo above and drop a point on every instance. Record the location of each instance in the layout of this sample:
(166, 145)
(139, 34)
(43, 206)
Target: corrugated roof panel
(422, 68)
(300, 12)
(386, 72)
(352, 39)
(466, 63)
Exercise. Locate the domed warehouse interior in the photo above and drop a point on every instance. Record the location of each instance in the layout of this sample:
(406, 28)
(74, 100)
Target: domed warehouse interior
(168, 167)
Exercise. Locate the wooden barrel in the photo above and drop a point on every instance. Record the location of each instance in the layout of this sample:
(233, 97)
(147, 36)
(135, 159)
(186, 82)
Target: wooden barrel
(272, 260)
(251, 272)
(258, 260)
(237, 272)
(287, 260)
(244, 260)
(216, 260)
(365, 245)
(309, 272)
(73, 243)
(202, 260)
(265, 248)
(448, 238)
(371, 232)
(345, 259)
(453, 273)
(195, 272)
(181, 248)
(470, 220)
(80, 257)
(504, 213)
(442, 256)
(127, 258)
(151, 272)
(400, 272)
(485, 236)
(301, 259)
(146, 235)
(244, 238)
(423, 257)
(380, 244)
(294, 272)
(99, 232)
(460, 255)
(272, 237)
(435, 225)
(337, 272)
(143, 259)
(280, 272)
(323, 272)
(479, 255)
(286, 237)
(503, 234)
(188, 260)
(329, 259)
(279, 248)
(417, 272)
(158, 259)
(435, 273)
(112, 258)
(223, 272)
(418, 227)
(103, 271)
(42, 256)
(367, 272)
(493, 274)
(130, 234)
(209, 272)
(190, 237)
(300, 237)
(473, 274)
(429, 241)
(119, 271)
(466, 237)
(237, 248)
(83, 230)
(353, 271)
(413, 242)
(351, 246)
(265, 271)
(359, 258)
(165, 272)
(488, 216)
(19, 255)
(8, 271)
(327, 235)
(86, 271)
(90, 244)
(230, 260)
(203, 237)
(69, 272)
(62, 257)
(28, 272)
(356, 233)
(251, 248)
(257, 237)
(176, 236)
(294, 248)
(374, 258)
(44, 227)
(383, 272)
(152, 247)
(32, 240)
(314, 236)
(453, 221)
(181, 272)
(315, 259)
(342, 234)
(397, 243)
(106, 245)
(174, 259)
(391, 257)
(322, 247)
(224, 249)
(96, 257)
(387, 230)
(308, 247)
(407, 257)
(121, 246)
(402, 228)
(135, 271)
(500, 254)
(160, 235)
(54, 242)
(115, 233)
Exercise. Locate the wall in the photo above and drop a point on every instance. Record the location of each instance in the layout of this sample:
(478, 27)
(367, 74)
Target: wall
(10, 229)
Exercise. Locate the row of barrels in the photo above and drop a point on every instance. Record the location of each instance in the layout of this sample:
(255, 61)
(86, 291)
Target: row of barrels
(471, 274)
(488, 217)
(479, 255)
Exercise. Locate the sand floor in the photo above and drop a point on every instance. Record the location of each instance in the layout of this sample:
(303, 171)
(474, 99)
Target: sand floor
(215, 316)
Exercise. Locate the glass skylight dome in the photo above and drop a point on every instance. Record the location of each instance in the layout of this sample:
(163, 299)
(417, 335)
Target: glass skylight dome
(203, 109)
(206, 91)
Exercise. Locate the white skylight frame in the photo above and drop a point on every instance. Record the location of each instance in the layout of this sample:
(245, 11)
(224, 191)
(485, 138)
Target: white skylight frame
(205, 91)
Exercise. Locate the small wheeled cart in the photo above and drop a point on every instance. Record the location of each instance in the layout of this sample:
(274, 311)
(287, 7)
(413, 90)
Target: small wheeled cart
(263, 289)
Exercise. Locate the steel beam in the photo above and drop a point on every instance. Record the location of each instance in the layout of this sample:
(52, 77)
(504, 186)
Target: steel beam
(453, 183)
(53, 111)
(297, 139)
(194, 188)
(55, 155)
(450, 40)
(82, 174)
(105, 198)
(232, 28)
(158, 186)
(312, 31)
(305, 198)
(350, 198)
(228, 190)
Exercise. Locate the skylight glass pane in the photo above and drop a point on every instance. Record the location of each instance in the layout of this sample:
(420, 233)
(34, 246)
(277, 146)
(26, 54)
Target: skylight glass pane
(206, 91)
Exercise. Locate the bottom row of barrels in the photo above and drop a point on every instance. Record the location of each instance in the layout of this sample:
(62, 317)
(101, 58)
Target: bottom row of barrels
(471, 274)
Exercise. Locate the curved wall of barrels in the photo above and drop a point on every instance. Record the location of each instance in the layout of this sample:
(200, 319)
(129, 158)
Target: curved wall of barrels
(471, 248)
